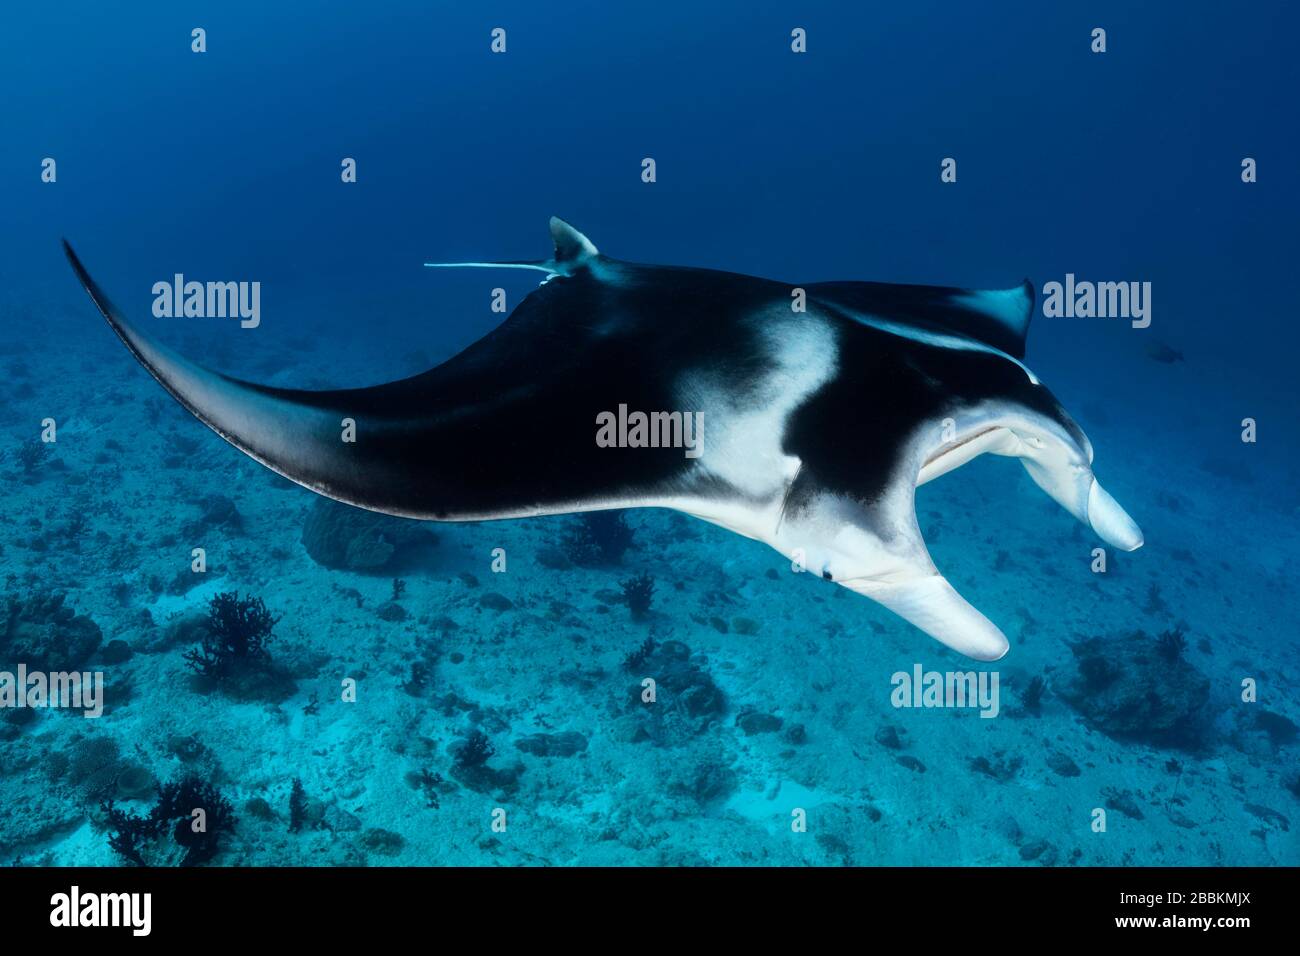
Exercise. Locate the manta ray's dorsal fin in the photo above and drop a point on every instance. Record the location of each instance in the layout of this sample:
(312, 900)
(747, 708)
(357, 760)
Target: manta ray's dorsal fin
(573, 250)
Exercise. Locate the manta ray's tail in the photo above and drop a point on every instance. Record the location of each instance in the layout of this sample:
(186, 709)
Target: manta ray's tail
(573, 250)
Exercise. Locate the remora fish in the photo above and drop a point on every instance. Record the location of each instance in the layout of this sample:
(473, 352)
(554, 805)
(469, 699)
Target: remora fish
(820, 424)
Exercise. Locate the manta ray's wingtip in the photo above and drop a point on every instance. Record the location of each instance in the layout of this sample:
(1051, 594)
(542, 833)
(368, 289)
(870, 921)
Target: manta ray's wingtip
(92, 289)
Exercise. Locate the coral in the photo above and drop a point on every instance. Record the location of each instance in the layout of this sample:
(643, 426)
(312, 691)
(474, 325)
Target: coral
(1041, 850)
(1280, 730)
(1062, 765)
(702, 776)
(258, 809)
(1001, 768)
(600, 538)
(1123, 801)
(687, 701)
(475, 751)
(1126, 688)
(420, 678)
(297, 805)
(187, 749)
(755, 722)
(130, 834)
(495, 602)
(236, 638)
(470, 765)
(91, 766)
(174, 832)
(344, 538)
(218, 512)
(391, 611)
(887, 736)
(117, 651)
(1155, 603)
(635, 659)
(1032, 698)
(30, 455)
(1171, 644)
(431, 786)
(638, 593)
(382, 842)
(44, 634)
(566, 744)
(133, 782)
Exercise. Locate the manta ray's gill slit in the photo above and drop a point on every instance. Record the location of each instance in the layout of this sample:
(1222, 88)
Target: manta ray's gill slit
(938, 339)
(785, 498)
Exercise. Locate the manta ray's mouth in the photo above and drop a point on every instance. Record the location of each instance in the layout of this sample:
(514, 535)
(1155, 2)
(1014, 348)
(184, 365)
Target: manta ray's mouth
(953, 446)
(955, 453)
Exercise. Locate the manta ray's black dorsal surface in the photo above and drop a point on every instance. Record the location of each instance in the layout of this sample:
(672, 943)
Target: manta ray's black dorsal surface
(808, 430)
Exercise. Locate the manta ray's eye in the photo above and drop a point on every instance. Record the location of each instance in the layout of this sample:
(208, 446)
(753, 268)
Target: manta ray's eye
(826, 576)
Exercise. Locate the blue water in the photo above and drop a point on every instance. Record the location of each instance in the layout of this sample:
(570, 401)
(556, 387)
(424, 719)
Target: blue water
(1121, 166)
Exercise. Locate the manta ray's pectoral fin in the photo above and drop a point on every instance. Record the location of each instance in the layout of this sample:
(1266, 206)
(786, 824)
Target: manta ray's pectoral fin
(573, 251)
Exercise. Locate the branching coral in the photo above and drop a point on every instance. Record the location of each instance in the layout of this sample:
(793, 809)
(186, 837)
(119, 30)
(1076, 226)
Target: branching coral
(638, 592)
(183, 828)
(600, 538)
(1172, 644)
(636, 659)
(475, 751)
(236, 638)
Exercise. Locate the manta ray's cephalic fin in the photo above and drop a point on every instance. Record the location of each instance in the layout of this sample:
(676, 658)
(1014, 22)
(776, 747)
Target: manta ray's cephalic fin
(573, 250)
(932, 604)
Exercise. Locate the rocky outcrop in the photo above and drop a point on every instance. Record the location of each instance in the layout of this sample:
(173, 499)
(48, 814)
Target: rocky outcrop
(344, 538)
(43, 633)
(1132, 687)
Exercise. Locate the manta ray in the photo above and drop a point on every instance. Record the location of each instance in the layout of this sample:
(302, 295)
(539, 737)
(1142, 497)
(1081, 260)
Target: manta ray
(825, 405)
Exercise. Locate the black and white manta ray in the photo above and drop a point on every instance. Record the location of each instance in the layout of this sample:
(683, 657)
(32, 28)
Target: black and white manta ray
(820, 423)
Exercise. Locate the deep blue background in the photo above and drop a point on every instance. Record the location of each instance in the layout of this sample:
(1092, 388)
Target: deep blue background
(823, 166)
